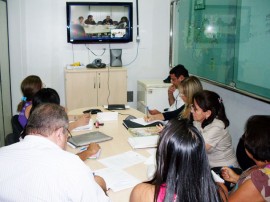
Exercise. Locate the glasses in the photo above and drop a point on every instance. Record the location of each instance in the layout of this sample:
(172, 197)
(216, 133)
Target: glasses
(69, 133)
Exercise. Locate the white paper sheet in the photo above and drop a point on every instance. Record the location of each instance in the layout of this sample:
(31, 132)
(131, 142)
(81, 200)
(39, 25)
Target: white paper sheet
(123, 160)
(216, 177)
(117, 179)
(89, 126)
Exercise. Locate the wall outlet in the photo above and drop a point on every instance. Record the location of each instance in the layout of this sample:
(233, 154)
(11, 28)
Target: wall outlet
(130, 96)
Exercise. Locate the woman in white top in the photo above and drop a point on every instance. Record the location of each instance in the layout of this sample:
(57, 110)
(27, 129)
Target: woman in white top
(210, 119)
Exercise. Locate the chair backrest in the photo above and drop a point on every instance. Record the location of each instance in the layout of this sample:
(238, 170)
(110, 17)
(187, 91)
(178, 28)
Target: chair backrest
(16, 127)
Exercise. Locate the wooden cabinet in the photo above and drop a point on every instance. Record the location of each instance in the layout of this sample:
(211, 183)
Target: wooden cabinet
(95, 87)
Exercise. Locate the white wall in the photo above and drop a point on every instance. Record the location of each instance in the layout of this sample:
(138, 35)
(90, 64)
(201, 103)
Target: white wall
(238, 109)
(37, 33)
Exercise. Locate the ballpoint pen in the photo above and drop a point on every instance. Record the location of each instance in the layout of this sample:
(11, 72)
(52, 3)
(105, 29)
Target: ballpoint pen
(147, 112)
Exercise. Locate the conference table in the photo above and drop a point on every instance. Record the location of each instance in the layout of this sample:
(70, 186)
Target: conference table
(117, 145)
(98, 29)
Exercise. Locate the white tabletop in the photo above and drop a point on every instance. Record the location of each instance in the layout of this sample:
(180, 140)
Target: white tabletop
(116, 146)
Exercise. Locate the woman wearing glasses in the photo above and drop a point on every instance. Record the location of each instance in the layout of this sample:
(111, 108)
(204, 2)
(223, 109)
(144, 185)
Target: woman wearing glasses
(210, 119)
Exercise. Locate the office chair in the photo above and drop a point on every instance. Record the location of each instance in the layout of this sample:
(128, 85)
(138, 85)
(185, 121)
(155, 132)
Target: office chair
(16, 128)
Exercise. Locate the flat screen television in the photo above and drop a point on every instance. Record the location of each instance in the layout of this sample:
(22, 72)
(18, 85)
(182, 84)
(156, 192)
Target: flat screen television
(99, 22)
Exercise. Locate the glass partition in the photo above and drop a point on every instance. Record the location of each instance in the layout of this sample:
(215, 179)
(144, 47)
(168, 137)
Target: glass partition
(226, 42)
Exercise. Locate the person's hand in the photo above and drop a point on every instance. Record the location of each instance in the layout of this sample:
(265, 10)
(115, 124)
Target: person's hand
(153, 111)
(229, 175)
(83, 120)
(149, 118)
(156, 117)
(171, 89)
(92, 148)
(159, 127)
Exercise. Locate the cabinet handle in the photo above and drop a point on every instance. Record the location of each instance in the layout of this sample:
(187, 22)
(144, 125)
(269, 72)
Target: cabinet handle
(94, 82)
(98, 82)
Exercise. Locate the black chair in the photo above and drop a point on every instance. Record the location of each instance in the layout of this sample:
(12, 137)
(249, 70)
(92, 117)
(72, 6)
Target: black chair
(17, 130)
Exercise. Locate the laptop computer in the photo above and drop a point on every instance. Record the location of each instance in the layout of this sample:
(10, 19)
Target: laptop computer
(87, 138)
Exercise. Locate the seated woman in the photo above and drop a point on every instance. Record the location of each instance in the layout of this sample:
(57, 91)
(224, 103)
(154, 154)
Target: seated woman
(183, 172)
(253, 184)
(29, 86)
(188, 87)
(210, 119)
(49, 95)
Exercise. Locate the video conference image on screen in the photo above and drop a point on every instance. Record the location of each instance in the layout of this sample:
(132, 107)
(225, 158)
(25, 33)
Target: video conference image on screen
(98, 22)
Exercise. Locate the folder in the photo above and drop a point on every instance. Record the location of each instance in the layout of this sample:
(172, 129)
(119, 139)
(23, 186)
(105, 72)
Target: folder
(130, 124)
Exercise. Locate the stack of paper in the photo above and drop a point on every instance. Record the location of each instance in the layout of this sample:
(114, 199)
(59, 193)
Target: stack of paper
(143, 142)
(107, 116)
(89, 126)
(145, 131)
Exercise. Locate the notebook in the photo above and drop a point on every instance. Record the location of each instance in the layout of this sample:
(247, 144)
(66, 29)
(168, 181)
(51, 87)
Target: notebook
(143, 142)
(87, 138)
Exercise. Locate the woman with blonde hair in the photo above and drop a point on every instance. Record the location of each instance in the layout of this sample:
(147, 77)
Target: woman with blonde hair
(188, 87)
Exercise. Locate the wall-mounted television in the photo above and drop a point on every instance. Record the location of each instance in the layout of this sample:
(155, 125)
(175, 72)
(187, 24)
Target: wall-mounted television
(99, 22)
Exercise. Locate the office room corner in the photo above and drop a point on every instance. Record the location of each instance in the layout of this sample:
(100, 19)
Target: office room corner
(123, 58)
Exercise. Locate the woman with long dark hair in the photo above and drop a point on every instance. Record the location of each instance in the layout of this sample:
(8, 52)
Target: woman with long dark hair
(210, 119)
(183, 172)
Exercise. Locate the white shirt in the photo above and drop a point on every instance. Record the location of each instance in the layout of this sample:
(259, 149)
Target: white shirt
(37, 169)
(221, 152)
(178, 101)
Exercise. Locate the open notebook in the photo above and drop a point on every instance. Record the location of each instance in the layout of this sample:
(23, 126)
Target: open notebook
(87, 138)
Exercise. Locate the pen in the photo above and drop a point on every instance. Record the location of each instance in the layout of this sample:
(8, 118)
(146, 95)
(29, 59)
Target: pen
(83, 148)
(147, 111)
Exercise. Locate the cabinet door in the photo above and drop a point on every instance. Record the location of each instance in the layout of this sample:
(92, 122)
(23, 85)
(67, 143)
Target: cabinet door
(81, 89)
(112, 87)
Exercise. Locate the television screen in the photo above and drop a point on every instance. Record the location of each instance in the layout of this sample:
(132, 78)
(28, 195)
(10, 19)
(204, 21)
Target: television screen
(95, 22)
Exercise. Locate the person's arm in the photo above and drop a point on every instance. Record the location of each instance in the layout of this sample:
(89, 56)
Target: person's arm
(223, 191)
(81, 121)
(246, 192)
(171, 98)
(154, 111)
(101, 182)
(91, 150)
(156, 117)
(208, 147)
(229, 175)
(142, 192)
(27, 111)
(173, 114)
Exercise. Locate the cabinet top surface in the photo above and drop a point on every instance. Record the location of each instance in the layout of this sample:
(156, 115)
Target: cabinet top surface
(158, 83)
(97, 69)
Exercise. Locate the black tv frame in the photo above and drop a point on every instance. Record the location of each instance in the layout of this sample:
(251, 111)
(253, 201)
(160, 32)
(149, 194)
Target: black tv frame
(87, 40)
